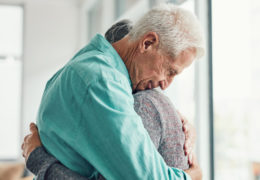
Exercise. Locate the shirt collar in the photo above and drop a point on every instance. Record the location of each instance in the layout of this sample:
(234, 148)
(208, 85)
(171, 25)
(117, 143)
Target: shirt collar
(104, 46)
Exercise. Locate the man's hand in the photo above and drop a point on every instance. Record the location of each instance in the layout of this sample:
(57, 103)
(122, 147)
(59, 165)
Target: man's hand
(194, 171)
(190, 137)
(31, 141)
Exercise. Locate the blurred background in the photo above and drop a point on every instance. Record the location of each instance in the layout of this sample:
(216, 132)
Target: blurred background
(219, 94)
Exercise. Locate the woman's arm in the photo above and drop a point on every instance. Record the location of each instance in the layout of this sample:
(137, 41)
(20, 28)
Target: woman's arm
(42, 164)
(45, 166)
(164, 126)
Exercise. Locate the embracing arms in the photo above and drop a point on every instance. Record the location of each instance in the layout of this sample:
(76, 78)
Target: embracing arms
(128, 151)
(45, 166)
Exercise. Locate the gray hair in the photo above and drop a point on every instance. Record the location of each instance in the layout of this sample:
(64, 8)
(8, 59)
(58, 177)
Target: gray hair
(178, 29)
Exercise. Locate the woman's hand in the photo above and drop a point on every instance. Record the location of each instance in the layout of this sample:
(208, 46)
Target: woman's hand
(190, 138)
(31, 141)
(195, 171)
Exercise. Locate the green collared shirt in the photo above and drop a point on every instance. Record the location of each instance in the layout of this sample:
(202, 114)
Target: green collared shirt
(87, 120)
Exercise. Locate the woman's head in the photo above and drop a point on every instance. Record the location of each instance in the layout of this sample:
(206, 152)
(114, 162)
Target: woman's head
(117, 31)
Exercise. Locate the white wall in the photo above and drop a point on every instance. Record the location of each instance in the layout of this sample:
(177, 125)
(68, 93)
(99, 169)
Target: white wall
(51, 38)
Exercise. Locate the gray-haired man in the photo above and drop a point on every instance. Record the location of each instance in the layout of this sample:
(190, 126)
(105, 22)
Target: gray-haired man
(109, 137)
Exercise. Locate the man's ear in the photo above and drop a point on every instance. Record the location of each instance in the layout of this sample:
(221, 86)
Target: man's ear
(149, 41)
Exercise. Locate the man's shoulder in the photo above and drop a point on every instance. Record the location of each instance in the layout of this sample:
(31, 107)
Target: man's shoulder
(95, 67)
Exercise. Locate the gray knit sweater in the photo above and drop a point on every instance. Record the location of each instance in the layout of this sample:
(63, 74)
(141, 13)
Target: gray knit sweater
(160, 119)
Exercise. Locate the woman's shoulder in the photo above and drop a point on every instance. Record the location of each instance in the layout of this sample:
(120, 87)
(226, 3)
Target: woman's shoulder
(157, 98)
(153, 94)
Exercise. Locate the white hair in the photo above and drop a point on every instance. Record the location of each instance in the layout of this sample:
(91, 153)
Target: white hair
(177, 28)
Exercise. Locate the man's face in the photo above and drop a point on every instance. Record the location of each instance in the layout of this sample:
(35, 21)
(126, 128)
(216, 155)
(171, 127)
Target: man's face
(156, 69)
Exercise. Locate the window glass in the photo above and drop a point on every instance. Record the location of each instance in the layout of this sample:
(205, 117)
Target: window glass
(123, 5)
(181, 91)
(236, 87)
(10, 80)
(95, 19)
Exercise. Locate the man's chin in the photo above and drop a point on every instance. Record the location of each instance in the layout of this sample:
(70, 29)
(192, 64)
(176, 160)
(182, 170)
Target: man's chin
(135, 91)
(142, 89)
(138, 89)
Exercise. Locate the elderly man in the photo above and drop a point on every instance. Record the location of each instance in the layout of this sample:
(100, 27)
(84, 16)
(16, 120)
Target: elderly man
(86, 118)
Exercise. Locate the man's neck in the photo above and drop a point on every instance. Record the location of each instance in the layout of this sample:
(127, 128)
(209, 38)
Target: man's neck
(127, 51)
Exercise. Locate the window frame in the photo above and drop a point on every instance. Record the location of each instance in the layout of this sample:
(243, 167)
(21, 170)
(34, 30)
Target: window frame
(204, 94)
(21, 121)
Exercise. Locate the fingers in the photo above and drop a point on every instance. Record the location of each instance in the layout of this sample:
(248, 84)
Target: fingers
(25, 140)
(189, 131)
(183, 119)
(194, 161)
(190, 158)
(24, 154)
(33, 128)
(184, 126)
(194, 171)
(187, 147)
(179, 113)
(31, 141)
(22, 146)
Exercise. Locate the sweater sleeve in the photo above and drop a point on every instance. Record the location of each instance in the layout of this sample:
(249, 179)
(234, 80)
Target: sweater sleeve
(46, 167)
(164, 126)
(171, 147)
(146, 109)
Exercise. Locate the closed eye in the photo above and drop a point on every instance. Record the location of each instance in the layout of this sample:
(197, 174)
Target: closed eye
(172, 72)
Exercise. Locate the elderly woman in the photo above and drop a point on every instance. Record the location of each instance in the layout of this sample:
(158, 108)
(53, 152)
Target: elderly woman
(114, 142)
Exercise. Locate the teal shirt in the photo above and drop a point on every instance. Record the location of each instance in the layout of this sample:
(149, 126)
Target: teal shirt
(87, 120)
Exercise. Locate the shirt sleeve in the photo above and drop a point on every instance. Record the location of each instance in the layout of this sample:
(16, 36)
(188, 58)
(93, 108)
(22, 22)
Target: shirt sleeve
(114, 141)
(46, 167)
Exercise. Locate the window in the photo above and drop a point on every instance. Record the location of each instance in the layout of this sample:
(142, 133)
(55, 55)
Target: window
(123, 5)
(95, 19)
(181, 91)
(10, 80)
(236, 72)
